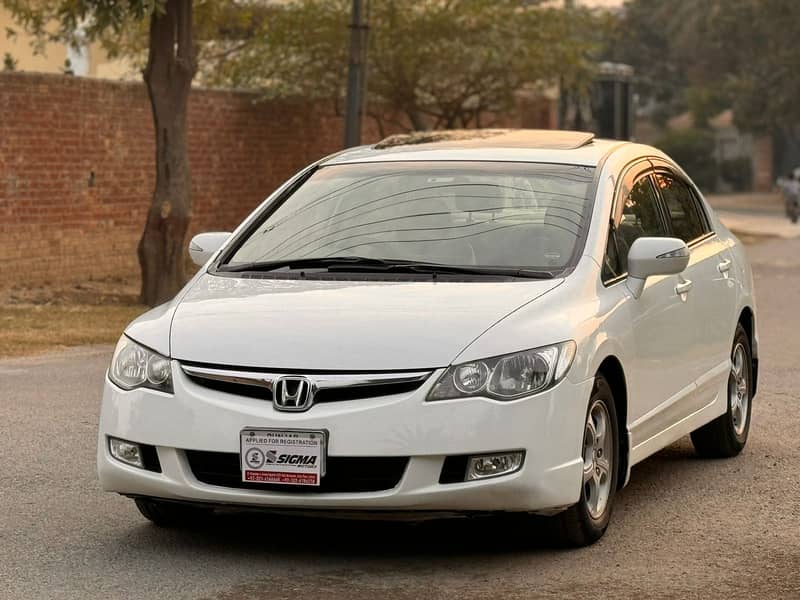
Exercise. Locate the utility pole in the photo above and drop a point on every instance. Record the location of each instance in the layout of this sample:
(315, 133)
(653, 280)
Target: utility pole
(563, 93)
(356, 75)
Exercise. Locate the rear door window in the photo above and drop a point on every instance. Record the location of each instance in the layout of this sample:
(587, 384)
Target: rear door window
(685, 218)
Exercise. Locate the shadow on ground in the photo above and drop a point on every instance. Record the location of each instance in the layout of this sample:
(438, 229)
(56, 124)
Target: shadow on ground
(249, 533)
(498, 556)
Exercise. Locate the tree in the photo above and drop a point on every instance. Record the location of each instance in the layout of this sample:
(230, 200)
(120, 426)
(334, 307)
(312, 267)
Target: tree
(436, 63)
(758, 40)
(9, 62)
(693, 149)
(168, 74)
(705, 54)
(171, 66)
(645, 37)
(705, 102)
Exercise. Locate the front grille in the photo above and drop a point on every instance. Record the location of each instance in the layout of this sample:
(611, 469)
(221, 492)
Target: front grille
(325, 395)
(365, 391)
(238, 389)
(344, 474)
(330, 386)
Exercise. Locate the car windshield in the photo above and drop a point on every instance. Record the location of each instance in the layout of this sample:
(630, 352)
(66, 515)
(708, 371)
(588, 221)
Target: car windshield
(482, 214)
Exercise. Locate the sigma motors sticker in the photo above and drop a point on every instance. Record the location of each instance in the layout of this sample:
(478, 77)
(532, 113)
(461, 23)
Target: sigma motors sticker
(283, 456)
(255, 458)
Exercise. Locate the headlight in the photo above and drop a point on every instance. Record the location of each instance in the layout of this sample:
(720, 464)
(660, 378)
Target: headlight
(134, 366)
(506, 377)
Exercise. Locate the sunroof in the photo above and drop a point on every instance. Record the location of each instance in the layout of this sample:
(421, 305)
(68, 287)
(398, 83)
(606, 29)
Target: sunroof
(544, 139)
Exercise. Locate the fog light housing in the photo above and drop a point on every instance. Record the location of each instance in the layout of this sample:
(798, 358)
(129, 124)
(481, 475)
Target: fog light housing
(494, 465)
(126, 452)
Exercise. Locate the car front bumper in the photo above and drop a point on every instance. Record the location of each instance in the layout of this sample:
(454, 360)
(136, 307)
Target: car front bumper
(548, 427)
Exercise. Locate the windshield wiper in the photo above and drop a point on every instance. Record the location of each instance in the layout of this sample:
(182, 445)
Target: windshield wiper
(361, 264)
(307, 263)
(435, 268)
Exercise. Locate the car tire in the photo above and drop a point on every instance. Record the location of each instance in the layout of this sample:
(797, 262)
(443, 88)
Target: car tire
(170, 514)
(726, 435)
(586, 521)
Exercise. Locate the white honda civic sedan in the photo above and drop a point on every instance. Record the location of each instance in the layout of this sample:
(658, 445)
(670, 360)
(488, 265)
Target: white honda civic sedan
(441, 324)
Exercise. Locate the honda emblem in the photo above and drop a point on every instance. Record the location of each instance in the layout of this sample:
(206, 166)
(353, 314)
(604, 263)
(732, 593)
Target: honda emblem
(293, 393)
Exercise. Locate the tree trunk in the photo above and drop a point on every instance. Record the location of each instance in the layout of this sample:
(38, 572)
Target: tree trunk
(417, 122)
(171, 66)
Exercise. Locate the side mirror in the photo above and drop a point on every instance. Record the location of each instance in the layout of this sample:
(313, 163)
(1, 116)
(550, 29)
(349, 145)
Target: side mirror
(651, 256)
(204, 245)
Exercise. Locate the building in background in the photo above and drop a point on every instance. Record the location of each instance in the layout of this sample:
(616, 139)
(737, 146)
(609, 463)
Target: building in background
(745, 161)
(18, 54)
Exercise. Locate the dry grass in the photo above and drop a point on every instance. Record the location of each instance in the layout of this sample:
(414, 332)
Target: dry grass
(34, 328)
(36, 320)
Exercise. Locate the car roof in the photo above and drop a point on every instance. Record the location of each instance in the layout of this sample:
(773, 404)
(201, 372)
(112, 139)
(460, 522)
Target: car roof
(517, 145)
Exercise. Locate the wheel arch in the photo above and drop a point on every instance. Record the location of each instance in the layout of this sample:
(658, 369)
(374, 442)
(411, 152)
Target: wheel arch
(611, 369)
(747, 320)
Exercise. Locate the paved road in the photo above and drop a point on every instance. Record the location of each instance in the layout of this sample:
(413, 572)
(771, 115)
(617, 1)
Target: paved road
(755, 214)
(684, 527)
(757, 223)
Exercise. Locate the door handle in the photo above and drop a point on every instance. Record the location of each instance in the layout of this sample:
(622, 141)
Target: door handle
(683, 287)
(724, 266)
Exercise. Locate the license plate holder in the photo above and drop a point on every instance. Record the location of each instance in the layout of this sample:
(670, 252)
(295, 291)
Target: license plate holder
(283, 456)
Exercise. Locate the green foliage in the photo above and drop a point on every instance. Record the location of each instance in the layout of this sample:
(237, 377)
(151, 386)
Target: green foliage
(738, 172)
(283, 50)
(215, 22)
(437, 63)
(693, 149)
(762, 54)
(705, 103)
(644, 36)
(120, 26)
(9, 62)
(441, 64)
(743, 50)
(76, 20)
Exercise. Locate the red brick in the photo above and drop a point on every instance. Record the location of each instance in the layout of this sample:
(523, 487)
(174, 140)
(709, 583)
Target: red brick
(55, 130)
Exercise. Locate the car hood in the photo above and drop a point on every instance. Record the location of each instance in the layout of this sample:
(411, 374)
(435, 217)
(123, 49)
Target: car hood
(339, 325)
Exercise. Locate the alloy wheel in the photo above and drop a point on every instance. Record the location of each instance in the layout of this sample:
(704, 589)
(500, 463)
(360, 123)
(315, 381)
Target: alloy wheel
(597, 459)
(738, 389)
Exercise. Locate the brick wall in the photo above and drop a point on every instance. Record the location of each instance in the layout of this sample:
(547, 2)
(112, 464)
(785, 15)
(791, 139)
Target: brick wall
(76, 168)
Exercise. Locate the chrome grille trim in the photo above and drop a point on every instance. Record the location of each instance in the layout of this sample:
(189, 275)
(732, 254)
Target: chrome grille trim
(323, 381)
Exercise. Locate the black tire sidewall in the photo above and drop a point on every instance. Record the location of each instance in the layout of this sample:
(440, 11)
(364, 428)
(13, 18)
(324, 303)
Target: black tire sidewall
(602, 391)
(741, 338)
(170, 514)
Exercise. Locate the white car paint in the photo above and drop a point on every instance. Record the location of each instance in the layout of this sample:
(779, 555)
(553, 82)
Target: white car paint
(339, 325)
(674, 351)
(399, 425)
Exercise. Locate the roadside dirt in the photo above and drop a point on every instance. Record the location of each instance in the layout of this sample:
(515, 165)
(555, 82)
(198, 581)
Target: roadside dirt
(46, 318)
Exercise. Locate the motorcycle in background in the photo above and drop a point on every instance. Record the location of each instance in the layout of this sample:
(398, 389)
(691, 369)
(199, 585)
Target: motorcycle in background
(790, 189)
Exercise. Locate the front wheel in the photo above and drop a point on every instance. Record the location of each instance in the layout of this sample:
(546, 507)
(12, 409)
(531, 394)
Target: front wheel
(585, 522)
(726, 435)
